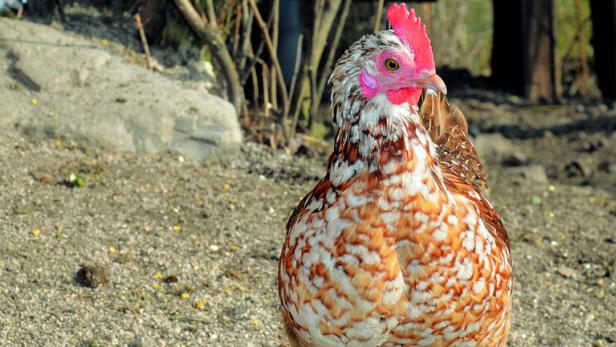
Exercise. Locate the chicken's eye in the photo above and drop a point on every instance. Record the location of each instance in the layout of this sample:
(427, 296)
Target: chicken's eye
(391, 64)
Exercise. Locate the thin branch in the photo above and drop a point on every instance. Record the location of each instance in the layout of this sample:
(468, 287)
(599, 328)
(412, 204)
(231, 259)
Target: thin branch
(379, 14)
(211, 13)
(213, 38)
(246, 71)
(253, 61)
(200, 10)
(273, 55)
(264, 79)
(583, 73)
(332, 51)
(144, 41)
(300, 99)
(323, 27)
(246, 45)
(324, 21)
(255, 87)
(236, 34)
(276, 17)
(298, 61)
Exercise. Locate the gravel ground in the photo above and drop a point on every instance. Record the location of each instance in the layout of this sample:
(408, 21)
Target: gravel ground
(190, 250)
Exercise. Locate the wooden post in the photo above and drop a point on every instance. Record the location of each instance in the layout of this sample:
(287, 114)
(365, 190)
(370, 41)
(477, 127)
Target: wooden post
(523, 52)
(603, 14)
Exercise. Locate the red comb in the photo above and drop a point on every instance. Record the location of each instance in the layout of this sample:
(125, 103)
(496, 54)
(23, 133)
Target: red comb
(408, 28)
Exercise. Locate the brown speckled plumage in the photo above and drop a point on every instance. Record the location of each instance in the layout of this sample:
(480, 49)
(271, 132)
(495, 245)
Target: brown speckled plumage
(396, 245)
(448, 129)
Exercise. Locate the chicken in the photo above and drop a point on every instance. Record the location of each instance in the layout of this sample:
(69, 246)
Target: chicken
(396, 245)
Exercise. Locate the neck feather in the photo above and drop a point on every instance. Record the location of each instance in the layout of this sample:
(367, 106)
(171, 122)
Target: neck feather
(379, 138)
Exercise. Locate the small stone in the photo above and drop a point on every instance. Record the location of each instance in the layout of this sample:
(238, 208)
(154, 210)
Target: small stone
(515, 159)
(532, 173)
(577, 168)
(567, 272)
(591, 146)
(125, 257)
(141, 341)
(493, 146)
(608, 167)
(170, 279)
(45, 178)
(92, 276)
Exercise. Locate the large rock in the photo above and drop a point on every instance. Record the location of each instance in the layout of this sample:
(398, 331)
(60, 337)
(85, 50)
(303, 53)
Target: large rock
(61, 85)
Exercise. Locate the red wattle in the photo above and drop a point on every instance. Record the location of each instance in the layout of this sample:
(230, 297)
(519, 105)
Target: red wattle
(410, 95)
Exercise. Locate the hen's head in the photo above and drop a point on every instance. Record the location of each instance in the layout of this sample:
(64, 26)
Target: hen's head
(397, 63)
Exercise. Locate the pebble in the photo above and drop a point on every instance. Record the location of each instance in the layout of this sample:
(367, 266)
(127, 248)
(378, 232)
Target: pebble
(92, 276)
(567, 272)
(577, 168)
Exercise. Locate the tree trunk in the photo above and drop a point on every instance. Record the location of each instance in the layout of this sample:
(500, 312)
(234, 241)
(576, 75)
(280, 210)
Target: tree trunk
(523, 51)
(604, 42)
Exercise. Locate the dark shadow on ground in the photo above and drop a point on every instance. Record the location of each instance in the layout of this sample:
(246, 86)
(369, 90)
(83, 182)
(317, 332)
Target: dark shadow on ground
(605, 124)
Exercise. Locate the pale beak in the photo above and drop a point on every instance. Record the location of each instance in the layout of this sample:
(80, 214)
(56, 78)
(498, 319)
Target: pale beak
(432, 81)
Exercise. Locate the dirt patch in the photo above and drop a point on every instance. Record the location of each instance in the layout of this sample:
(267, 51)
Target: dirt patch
(190, 250)
(217, 229)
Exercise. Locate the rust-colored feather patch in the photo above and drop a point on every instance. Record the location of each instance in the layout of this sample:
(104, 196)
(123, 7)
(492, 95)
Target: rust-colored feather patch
(448, 129)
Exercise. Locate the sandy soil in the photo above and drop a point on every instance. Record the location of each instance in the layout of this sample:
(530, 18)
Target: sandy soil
(217, 228)
(190, 250)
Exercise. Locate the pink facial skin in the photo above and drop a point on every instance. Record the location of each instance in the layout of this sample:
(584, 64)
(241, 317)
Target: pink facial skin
(397, 85)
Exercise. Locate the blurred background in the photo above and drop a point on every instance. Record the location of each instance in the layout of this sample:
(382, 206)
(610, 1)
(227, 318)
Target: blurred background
(271, 58)
(166, 142)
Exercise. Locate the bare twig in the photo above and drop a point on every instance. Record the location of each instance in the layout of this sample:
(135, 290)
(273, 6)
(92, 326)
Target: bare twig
(211, 14)
(276, 18)
(298, 61)
(327, 68)
(273, 56)
(200, 10)
(254, 57)
(300, 99)
(379, 14)
(324, 20)
(211, 35)
(265, 80)
(583, 77)
(144, 41)
(255, 87)
(246, 43)
(236, 33)
(314, 59)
